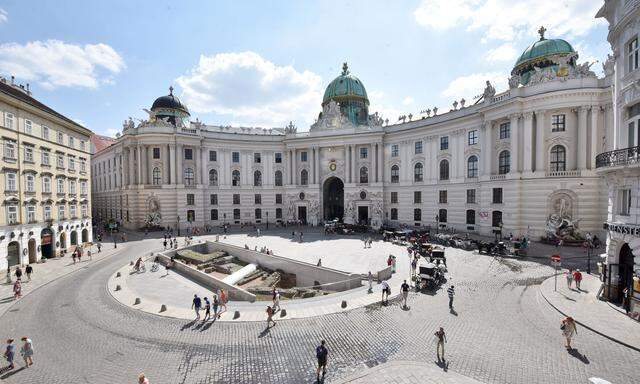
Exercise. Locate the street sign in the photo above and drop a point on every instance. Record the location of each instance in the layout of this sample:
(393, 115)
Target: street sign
(555, 258)
(555, 262)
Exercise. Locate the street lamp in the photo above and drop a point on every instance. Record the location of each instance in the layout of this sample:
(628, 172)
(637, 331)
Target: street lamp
(437, 223)
(589, 253)
(178, 224)
(115, 245)
(267, 213)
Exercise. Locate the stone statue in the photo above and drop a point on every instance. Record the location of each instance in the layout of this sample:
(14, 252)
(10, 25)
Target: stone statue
(584, 69)
(331, 118)
(154, 218)
(560, 223)
(290, 129)
(514, 81)
(608, 67)
(375, 120)
(489, 92)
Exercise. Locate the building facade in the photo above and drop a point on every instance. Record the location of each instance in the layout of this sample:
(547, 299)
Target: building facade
(522, 160)
(620, 165)
(46, 177)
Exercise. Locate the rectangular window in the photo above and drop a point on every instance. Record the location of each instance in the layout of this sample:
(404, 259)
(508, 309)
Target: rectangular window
(83, 208)
(557, 123)
(236, 198)
(472, 137)
(236, 214)
(278, 198)
(505, 130)
(9, 150)
(394, 197)
(417, 197)
(10, 181)
(60, 212)
(60, 186)
(191, 199)
(213, 199)
(364, 152)
(278, 158)
(257, 158)
(83, 165)
(632, 54)
(72, 211)
(47, 212)
(8, 120)
(46, 185)
(444, 143)
(471, 196)
(394, 214)
(235, 157)
(471, 217)
(72, 142)
(12, 214)
(83, 188)
(624, 206)
(72, 187)
(418, 147)
(82, 145)
(278, 213)
(60, 138)
(214, 214)
(442, 197)
(28, 127)
(188, 154)
(60, 160)
(257, 199)
(497, 196)
(72, 164)
(631, 129)
(417, 214)
(258, 213)
(45, 132)
(156, 153)
(28, 154)
(31, 213)
(213, 156)
(303, 156)
(394, 150)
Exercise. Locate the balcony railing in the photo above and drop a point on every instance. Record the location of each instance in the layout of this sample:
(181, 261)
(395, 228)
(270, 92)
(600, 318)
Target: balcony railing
(574, 173)
(619, 157)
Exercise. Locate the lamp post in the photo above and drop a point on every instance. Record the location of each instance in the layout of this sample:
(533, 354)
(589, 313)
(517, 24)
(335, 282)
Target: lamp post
(267, 213)
(589, 253)
(437, 223)
(178, 224)
(115, 245)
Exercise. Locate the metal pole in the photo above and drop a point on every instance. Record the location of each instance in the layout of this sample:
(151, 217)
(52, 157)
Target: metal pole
(589, 251)
(555, 279)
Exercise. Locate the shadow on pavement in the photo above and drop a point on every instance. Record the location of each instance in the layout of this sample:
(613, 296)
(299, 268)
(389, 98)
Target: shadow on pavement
(188, 325)
(583, 358)
(10, 373)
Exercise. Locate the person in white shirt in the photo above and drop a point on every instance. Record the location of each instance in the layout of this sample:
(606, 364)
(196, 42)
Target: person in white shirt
(386, 291)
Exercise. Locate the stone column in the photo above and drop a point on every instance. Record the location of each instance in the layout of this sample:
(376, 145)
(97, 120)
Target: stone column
(487, 142)
(347, 168)
(373, 155)
(581, 150)
(139, 159)
(312, 165)
(204, 162)
(354, 162)
(433, 167)
(515, 138)
(172, 164)
(164, 155)
(197, 172)
(150, 165)
(289, 168)
(380, 162)
(595, 116)
(131, 175)
(294, 168)
(317, 152)
(527, 142)
(461, 158)
(179, 156)
(540, 147)
(609, 131)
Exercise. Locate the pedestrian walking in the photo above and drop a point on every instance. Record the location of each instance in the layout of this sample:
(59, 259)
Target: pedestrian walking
(451, 293)
(18, 273)
(370, 278)
(27, 351)
(196, 305)
(207, 310)
(29, 271)
(258, 232)
(17, 290)
(99, 245)
(142, 379)
(168, 266)
(216, 303)
(276, 301)
(577, 276)
(442, 339)
(568, 328)
(73, 256)
(9, 353)
(223, 301)
(270, 316)
(164, 243)
(89, 254)
(569, 277)
(386, 291)
(301, 236)
(405, 293)
(322, 353)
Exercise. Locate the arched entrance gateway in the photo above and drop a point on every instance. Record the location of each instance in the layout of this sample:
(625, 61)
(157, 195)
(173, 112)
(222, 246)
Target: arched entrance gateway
(13, 253)
(46, 243)
(333, 199)
(33, 256)
(625, 271)
(74, 237)
(85, 236)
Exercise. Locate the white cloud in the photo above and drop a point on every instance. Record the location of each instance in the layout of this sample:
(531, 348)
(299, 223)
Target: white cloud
(252, 90)
(4, 16)
(473, 85)
(507, 19)
(386, 109)
(112, 132)
(54, 63)
(505, 52)
(408, 100)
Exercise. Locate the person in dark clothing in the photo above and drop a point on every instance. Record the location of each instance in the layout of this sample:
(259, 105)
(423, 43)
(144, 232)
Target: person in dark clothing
(321, 354)
(29, 271)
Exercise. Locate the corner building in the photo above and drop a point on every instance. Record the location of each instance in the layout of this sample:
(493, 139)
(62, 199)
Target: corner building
(516, 158)
(46, 178)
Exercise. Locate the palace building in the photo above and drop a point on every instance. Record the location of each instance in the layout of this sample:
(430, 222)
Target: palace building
(522, 160)
(46, 178)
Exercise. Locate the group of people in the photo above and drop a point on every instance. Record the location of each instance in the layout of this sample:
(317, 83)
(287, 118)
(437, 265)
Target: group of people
(218, 301)
(299, 234)
(26, 350)
(272, 309)
(17, 285)
(367, 242)
(572, 276)
(171, 242)
(77, 253)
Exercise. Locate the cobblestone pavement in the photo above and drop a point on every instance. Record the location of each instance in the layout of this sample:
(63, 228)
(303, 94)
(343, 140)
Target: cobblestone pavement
(503, 332)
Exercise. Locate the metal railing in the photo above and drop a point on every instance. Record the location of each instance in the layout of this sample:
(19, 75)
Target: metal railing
(625, 156)
(573, 173)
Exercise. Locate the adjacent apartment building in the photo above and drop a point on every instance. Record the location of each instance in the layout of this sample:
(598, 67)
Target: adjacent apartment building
(46, 178)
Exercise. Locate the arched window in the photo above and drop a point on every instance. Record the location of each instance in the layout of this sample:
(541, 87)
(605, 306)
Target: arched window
(444, 170)
(235, 178)
(558, 158)
(278, 178)
(364, 175)
(442, 215)
(418, 172)
(472, 167)
(496, 219)
(257, 179)
(471, 217)
(395, 174)
(213, 177)
(156, 176)
(188, 176)
(304, 177)
(504, 162)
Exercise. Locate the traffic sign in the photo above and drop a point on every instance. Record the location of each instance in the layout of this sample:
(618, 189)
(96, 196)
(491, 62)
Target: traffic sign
(555, 258)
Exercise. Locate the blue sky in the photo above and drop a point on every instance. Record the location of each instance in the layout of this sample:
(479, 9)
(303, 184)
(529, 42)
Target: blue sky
(263, 63)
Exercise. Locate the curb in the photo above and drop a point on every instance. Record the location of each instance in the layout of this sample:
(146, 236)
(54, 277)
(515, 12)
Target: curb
(588, 327)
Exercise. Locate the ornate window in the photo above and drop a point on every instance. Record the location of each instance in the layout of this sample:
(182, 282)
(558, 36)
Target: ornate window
(364, 175)
(30, 183)
(496, 219)
(235, 178)
(278, 178)
(558, 158)
(472, 137)
(505, 130)
(417, 214)
(395, 174)
(418, 172)
(394, 214)
(558, 123)
(304, 177)
(157, 177)
(471, 217)
(257, 179)
(10, 181)
(188, 176)
(504, 162)
(214, 214)
(444, 170)
(213, 177)
(31, 213)
(472, 167)
(46, 184)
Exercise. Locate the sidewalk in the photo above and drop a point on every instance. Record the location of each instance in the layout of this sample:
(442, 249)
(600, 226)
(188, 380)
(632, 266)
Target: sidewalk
(590, 312)
(52, 269)
(406, 372)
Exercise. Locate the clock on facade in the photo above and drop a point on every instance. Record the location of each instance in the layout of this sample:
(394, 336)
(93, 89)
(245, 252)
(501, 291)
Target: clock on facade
(332, 167)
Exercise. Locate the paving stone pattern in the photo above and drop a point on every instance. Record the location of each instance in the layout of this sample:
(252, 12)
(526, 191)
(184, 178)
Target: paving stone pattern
(503, 332)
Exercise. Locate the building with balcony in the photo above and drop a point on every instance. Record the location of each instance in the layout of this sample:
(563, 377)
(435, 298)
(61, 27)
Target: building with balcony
(522, 160)
(619, 162)
(46, 177)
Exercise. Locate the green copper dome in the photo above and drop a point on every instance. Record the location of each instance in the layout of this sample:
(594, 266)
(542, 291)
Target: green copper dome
(345, 86)
(543, 48)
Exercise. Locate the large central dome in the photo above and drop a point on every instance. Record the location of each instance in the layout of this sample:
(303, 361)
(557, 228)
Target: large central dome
(348, 91)
(170, 109)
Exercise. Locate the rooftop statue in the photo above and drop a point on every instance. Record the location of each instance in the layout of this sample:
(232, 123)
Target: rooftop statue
(489, 92)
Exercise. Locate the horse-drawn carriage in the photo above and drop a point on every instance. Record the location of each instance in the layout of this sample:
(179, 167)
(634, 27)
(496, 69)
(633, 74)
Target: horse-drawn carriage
(429, 275)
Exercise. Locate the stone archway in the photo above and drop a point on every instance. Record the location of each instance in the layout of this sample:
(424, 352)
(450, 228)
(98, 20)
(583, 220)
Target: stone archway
(46, 243)
(85, 235)
(13, 253)
(63, 240)
(33, 255)
(333, 199)
(74, 237)
(625, 270)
